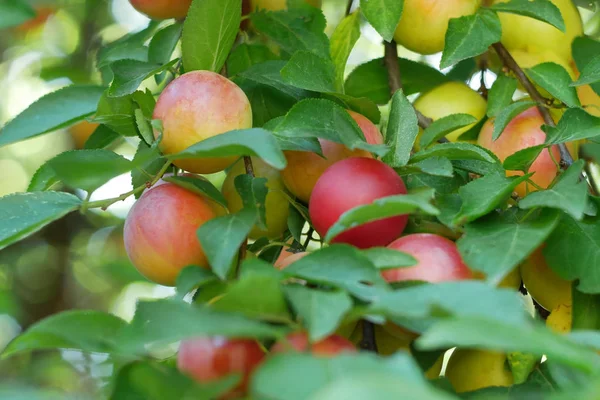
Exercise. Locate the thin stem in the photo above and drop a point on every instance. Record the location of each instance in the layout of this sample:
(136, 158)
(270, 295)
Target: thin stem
(248, 166)
(483, 66)
(244, 247)
(368, 341)
(308, 237)
(349, 7)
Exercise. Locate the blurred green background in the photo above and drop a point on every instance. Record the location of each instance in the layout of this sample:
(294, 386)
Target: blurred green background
(79, 262)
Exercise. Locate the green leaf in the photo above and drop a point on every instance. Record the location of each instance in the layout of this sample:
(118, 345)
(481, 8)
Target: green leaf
(162, 322)
(383, 15)
(497, 244)
(455, 151)
(209, 31)
(198, 185)
(586, 311)
(118, 114)
(385, 258)
(575, 124)
(542, 10)
(294, 29)
(163, 44)
(522, 159)
(590, 73)
(246, 55)
(402, 130)
(193, 277)
(102, 137)
(129, 74)
(325, 119)
(507, 114)
(568, 194)
(146, 170)
(344, 38)
(585, 49)
(221, 250)
(253, 192)
(361, 105)
(14, 12)
(501, 94)
(131, 46)
(498, 335)
(370, 80)
(267, 103)
(43, 179)
(383, 208)
(556, 80)
(321, 312)
(306, 70)
(255, 142)
(522, 365)
(439, 166)
(151, 380)
(88, 331)
(23, 214)
(483, 195)
(53, 111)
(470, 36)
(443, 126)
(572, 249)
(269, 73)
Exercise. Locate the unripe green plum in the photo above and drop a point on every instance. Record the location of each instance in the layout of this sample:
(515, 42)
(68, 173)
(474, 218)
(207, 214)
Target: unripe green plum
(423, 25)
(277, 205)
(470, 369)
(305, 168)
(533, 36)
(160, 231)
(196, 106)
(451, 98)
(351, 183)
(438, 260)
(162, 9)
(278, 5)
(543, 284)
(298, 341)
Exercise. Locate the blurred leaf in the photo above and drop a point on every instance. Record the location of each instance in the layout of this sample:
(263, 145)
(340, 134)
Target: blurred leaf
(381, 208)
(150, 380)
(306, 70)
(53, 111)
(568, 194)
(255, 142)
(370, 80)
(507, 114)
(221, 249)
(383, 15)
(523, 159)
(384, 258)
(455, 151)
(343, 40)
(443, 126)
(585, 49)
(575, 124)
(586, 311)
(501, 94)
(246, 55)
(590, 73)
(321, 312)
(23, 214)
(572, 248)
(470, 36)
(542, 10)
(483, 195)
(556, 80)
(193, 277)
(199, 185)
(129, 74)
(15, 12)
(209, 31)
(521, 365)
(497, 244)
(88, 331)
(402, 130)
(253, 192)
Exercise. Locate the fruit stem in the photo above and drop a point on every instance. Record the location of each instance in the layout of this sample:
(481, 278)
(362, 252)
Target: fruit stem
(483, 66)
(308, 238)
(244, 246)
(349, 7)
(368, 337)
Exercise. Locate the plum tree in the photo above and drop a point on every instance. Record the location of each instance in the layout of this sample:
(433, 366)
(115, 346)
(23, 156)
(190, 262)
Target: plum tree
(532, 36)
(441, 102)
(283, 262)
(329, 346)
(438, 260)
(525, 130)
(472, 369)
(81, 132)
(160, 231)
(305, 168)
(276, 5)
(277, 205)
(207, 359)
(196, 106)
(162, 9)
(332, 196)
(423, 24)
(543, 284)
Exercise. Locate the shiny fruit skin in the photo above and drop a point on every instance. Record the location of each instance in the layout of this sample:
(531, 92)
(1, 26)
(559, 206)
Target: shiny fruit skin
(350, 183)
(298, 341)
(278, 5)
(213, 358)
(543, 284)
(441, 101)
(533, 36)
(160, 231)
(589, 99)
(305, 168)
(162, 9)
(469, 370)
(281, 263)
(560, 319)
(81, 132)
(196, 106)
(277, 205)
(423, 24)
(438, 260)
(525, 130)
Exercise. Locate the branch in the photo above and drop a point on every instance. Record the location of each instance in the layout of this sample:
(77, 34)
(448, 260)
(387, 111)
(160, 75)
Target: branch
(483, 66)
(368, 341)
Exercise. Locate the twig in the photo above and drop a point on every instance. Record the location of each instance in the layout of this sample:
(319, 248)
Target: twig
(308, 237)
(248, 166)
(244, 246)
(368, 341)
(483, 66)
(349, 7)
